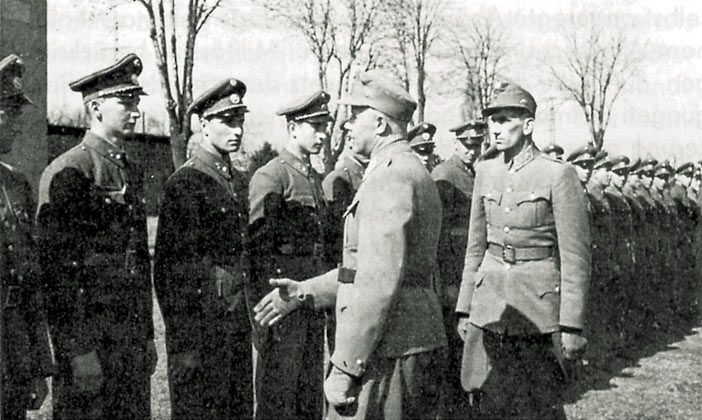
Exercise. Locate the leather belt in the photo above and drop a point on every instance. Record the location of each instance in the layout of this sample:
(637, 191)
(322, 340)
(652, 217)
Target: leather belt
(511, 255)
(348, 276)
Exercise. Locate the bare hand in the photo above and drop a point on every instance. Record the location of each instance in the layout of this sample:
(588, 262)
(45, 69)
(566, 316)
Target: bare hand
(339, 387)
(573, 345)
(87, 372)
(276, 305)
(462, 327)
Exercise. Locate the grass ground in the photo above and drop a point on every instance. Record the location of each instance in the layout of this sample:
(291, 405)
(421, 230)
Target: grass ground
(660, 379)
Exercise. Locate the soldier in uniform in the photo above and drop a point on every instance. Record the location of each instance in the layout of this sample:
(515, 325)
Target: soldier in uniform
(95, 258)
(554, 150)
(421, 139)
(527, 271)
(388, 359)
(687, 220)
(287, 224)
(201, 267)
(454, 179)
(25, 355)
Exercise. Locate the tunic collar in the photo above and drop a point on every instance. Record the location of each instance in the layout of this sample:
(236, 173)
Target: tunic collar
(385, 153)
(524, 157)
(105, 148)
(214, 161)
(295, 162)
(456, 161)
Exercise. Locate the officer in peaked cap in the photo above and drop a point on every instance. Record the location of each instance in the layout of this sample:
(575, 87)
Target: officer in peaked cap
(454, 179)
(201, 267)
(583, 158)
(683, 289)
(25, 354)
(554, 150)
(94, 248)
(389, 326)
(421, 139)
(288, 224)
(511, 332)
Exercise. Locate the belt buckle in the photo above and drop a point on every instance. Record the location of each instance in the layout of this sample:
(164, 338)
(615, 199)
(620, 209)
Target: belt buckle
(508, 254)
(13, 296)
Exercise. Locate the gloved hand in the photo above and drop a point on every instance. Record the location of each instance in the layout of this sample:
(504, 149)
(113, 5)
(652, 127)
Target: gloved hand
(573, 345)
(37, 393)
(183, 366)
(339, 388)
(151, 356)
(287, 296)
(462, 326)
(87, 372)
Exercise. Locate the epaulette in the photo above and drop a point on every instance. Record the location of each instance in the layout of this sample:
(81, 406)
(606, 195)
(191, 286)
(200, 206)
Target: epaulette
(549, 157)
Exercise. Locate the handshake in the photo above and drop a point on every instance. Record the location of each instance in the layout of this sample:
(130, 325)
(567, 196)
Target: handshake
(287, 297)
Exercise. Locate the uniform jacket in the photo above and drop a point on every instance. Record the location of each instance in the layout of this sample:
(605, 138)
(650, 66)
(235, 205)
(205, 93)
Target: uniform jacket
(25, 342)
(201, 262)
(93, 248)
(385, 305)
(340, 187)
(531, 201)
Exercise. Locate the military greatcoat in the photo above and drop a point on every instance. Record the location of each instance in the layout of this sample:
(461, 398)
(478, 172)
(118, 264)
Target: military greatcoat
(95, 265)
(201, 267)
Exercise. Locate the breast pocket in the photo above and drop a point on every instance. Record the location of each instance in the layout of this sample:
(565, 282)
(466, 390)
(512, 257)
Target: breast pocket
(533, 208)
(491, 202)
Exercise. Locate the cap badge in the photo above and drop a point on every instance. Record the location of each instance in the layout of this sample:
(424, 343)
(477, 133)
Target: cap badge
(234, 98)
(426, 136)
(17, 83)
(137, 62)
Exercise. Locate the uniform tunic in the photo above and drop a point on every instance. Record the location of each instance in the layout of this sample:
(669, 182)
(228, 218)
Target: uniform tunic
(201, 267)
(25, 352)
(526, 275)
(95, 261)
(287, 223)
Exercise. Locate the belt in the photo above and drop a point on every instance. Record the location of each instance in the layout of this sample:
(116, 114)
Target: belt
(511, 255)
(348, 276)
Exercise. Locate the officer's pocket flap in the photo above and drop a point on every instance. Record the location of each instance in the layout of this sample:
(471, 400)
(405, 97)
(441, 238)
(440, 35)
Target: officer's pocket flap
(493, 195)
(547, 290)
(533, 195)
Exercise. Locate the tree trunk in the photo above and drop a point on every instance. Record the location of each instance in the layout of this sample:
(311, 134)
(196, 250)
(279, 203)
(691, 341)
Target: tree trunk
(421, 97)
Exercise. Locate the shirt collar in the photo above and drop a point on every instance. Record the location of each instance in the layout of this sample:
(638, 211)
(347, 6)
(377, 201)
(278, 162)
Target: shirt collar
(385, 152)
(295, 162)
(214, 161)
(106, 148)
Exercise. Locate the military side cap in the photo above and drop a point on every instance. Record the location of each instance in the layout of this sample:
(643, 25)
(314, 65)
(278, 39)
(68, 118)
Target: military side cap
(602, 160)
(11, 71)
(310, 108)
(375, 90)
(223, 99)
(510, 95)
(422, 133)
(663, 169)
(687, 168)
(470, 130)
(553, 148)
(120, 79)
(619, 163)
(582, 154)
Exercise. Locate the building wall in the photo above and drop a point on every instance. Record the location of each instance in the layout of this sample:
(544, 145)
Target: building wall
(23, 32)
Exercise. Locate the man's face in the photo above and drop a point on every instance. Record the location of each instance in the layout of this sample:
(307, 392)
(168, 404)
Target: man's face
(659, 182)
(633, 179)
(362, 129)
(618, 177)
(224, 133)
(584, 170)
(9, 131)
(310, 136)
(425, 152)
(468, 150)
(119, 115)
(695, 184)
(509, 129)
(684, 180)
(602, 176)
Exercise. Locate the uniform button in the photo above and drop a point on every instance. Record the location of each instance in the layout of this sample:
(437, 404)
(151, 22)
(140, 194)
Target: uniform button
(10, 247)
(13, 271)
(74, 263)
(557, 289)
(81, 291)
(224, 210)
(506, 229)
(511, 171)
(108, 201)
(118, 156)
(532, 196)
(507, 209)
(359, 362)
(243, 274)
(199, 291)
(20, 277)
(509, 190)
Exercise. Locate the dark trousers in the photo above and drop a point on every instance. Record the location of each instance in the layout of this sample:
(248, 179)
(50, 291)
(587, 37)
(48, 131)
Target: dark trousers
(289, 370)
(512, 377)
(223, 387)
(454, 398)
(407, 387)
(15, 397)
(125, 394)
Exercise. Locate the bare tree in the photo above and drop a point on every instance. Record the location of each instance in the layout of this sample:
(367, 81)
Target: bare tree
(340, 34)
(482, 51)
(175, 71)
(598, 64)
(416, 25)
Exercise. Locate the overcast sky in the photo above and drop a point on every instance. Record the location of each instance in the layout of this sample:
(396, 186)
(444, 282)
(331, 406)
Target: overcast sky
(659, 113)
